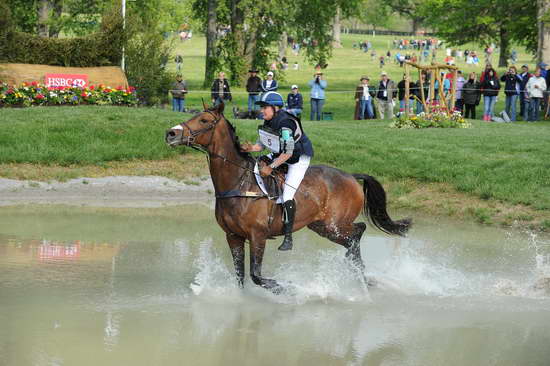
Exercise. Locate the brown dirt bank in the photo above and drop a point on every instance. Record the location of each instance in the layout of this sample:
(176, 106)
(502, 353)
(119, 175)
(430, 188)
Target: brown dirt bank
(190, 173)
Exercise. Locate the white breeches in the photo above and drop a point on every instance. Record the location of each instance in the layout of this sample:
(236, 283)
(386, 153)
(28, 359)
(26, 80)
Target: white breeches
(294, 177)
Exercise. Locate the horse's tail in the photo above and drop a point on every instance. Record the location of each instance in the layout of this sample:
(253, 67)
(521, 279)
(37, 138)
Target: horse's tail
(375, 207)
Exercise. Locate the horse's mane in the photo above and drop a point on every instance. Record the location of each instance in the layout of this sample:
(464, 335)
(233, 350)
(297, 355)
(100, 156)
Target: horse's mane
(234, 137)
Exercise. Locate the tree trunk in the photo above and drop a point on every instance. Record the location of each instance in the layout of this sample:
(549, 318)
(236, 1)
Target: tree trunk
(238, 64)
(283, 44)
(211, 53)
(543, 49)
(57, 7)
(504, 47)
(415, 24)
(336, 30)
(43, 15)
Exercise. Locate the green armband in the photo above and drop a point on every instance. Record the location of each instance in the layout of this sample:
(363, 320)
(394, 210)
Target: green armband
(285, 134)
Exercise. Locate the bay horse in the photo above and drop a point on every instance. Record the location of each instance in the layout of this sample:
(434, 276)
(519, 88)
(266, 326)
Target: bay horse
(328, 199)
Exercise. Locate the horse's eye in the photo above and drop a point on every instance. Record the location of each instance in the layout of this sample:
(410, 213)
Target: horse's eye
(204, 121)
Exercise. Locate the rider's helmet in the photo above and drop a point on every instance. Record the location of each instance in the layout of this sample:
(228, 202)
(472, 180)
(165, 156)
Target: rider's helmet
(271, 98)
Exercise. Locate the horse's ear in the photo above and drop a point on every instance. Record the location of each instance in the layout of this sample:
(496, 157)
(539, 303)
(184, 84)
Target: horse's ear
(220, 107)
(204, 105)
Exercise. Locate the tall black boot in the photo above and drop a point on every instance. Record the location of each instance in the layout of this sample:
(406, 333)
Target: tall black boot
(289, 211)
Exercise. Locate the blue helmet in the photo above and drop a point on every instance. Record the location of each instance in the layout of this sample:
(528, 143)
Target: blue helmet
(271, 98)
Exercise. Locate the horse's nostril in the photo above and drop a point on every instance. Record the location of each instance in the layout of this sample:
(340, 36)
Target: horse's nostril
(171, 133)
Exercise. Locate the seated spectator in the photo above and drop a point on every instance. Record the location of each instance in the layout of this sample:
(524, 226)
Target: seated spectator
(269, 84)
(364, 94)
(294, 101)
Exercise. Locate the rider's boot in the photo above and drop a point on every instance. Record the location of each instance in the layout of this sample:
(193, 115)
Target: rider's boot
(289, 211)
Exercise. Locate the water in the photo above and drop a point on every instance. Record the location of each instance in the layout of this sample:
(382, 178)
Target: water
(83, 286)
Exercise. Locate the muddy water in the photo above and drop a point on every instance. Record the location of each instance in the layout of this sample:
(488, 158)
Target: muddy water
(81, 286)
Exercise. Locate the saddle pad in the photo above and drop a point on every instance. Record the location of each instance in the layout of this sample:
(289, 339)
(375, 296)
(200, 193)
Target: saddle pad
(261, 183)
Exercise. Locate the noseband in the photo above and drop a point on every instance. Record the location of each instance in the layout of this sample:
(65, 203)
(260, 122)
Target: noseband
(194, 134)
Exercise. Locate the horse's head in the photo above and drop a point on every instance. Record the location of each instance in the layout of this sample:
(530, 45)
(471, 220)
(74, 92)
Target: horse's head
(198, 130)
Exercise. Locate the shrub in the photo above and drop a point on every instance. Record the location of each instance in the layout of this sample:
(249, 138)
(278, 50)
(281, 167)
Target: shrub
(435, 117)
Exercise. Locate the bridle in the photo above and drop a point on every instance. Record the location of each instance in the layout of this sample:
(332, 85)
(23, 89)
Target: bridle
(194, 134)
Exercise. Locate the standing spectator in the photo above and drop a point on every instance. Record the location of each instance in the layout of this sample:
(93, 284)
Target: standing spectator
(385, 95)
(459, 105)
(511, 90)
(253, 87)
(318, 86)
(363, 100)
(220, 91)
(490, 87)
(401, 95)
(417, 90)
(382, 62)
(179, 62)
(484, 73)
(179, 89)
(523, 100)
(269, 84)
(294, 101)
(535, 91)
(472, 94)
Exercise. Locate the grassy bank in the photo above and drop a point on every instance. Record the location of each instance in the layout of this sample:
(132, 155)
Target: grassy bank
(482, 172)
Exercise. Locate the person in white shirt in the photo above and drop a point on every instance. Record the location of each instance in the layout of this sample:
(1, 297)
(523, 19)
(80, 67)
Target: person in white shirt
(363, 99)
(535, 92)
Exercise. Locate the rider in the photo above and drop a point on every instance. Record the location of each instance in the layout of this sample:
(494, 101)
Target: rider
(282, 133)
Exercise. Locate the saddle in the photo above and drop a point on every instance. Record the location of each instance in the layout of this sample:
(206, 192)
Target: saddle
(273, 184)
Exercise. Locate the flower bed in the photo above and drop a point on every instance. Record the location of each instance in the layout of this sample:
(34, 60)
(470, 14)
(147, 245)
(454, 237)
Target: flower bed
(436, 117)
(36, 94)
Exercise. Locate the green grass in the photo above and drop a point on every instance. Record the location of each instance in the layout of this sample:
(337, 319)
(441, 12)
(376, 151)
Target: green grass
(507, 162)
(345, 68)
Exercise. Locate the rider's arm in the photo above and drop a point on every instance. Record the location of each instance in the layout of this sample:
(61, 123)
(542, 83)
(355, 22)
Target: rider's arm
(287, 147)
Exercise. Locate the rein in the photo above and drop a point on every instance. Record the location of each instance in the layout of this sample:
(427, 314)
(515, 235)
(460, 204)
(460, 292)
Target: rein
(204, 149)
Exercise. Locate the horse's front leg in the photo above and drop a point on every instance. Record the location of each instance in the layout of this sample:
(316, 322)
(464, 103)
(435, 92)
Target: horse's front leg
(257, 247)
(236, 245)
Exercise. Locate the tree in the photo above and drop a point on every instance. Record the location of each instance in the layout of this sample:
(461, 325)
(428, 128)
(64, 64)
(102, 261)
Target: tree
(485, 21)
(408, 9)
(543, 25)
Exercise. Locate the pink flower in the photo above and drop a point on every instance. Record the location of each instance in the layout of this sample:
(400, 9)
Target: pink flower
(40, 96)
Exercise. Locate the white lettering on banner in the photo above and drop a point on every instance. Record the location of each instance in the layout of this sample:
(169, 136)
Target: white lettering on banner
(66, 80)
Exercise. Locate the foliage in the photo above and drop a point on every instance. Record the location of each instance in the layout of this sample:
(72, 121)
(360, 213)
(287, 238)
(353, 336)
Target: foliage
(436, 117)
(147, 54)
(463, 21)
(99, 49)
(36, 94)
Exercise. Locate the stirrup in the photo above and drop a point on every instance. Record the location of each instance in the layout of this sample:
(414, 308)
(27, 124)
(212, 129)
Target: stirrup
(287, 243)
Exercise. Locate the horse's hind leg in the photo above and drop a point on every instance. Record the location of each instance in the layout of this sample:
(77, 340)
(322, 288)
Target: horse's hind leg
(349, 236)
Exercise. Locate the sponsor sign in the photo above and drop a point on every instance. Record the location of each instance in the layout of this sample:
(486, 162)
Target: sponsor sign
(61, 81)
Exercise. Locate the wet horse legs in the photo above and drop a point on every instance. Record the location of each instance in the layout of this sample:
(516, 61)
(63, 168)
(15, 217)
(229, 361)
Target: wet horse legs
(236, 244)
(257, 247)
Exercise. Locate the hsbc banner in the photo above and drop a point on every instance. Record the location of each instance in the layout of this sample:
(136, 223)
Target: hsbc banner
(60, 81)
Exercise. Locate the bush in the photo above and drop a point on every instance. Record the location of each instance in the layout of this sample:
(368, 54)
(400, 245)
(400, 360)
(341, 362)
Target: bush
(103, 48)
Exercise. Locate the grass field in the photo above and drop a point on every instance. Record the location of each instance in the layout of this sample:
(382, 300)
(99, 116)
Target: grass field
(345, 68)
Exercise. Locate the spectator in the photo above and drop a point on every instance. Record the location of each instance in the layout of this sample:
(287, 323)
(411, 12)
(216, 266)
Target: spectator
(382, 62)
(385, 95)
(459, 105)
(318, 86)
(294, 101)
(512, 84)
(253, 87)
(417, 91)
(471, 94)
(446, 87)
(484, 73)
(401, 86)
(179, 89)
(363, 100)
(179, 62)
(523, 100)
(269, 84)
(490, 87)
(535, 91)
(296, 65)
(220, 91)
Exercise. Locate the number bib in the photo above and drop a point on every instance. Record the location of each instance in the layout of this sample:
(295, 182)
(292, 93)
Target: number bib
(270, 139)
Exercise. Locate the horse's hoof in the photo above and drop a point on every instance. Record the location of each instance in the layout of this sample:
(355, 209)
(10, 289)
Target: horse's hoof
(371, 281)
